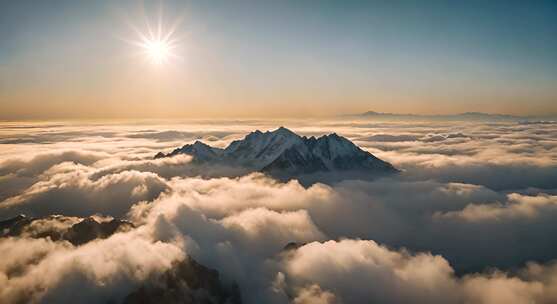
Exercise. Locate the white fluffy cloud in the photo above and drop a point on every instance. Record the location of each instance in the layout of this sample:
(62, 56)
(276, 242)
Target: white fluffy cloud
(107, 270)
(361, 271)
(516, 206)
(315, 295)
(68, 189)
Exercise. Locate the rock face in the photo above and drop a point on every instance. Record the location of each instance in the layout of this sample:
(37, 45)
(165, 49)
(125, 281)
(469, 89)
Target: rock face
(284, 154)
(186, 282)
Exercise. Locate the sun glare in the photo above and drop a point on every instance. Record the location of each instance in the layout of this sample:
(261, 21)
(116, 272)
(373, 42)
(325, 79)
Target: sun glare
(157, 45)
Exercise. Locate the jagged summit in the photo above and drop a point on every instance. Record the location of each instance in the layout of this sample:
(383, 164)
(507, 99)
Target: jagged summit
(285, 154)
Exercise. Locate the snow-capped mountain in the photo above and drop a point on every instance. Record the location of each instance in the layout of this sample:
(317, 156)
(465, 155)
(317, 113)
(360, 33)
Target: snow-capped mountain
(284, 154)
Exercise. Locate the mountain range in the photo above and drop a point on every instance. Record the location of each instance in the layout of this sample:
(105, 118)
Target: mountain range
(284, 154)
(467, 116)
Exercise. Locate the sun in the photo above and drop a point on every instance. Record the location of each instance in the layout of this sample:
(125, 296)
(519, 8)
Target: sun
(157, 45)
(158, 51)
(158, 48)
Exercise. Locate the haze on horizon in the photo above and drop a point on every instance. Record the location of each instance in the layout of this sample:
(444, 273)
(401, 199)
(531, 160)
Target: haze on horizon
(68, 59)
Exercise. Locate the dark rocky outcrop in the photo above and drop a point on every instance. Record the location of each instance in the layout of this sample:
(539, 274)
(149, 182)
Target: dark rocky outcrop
(74, 230)
(186, 282)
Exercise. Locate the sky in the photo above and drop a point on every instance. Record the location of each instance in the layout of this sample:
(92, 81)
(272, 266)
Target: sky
(271, 59)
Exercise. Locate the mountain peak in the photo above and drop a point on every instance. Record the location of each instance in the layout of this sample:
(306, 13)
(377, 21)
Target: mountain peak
(200, 144)
(335, 136)
(283, 131)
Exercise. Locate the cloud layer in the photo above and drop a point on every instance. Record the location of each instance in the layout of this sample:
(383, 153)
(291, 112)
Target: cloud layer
(468, 221)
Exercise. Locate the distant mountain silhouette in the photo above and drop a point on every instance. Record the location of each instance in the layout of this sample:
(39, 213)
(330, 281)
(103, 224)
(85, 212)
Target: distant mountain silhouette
(467, 116)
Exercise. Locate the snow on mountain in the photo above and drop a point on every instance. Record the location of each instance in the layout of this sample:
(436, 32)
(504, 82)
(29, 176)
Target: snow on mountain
(283, 153)
(258, 149)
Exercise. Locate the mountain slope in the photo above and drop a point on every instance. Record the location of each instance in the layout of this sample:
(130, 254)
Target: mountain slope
(326, 153)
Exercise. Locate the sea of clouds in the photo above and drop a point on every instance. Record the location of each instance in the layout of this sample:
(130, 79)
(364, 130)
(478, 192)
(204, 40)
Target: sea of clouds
(470, 219)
